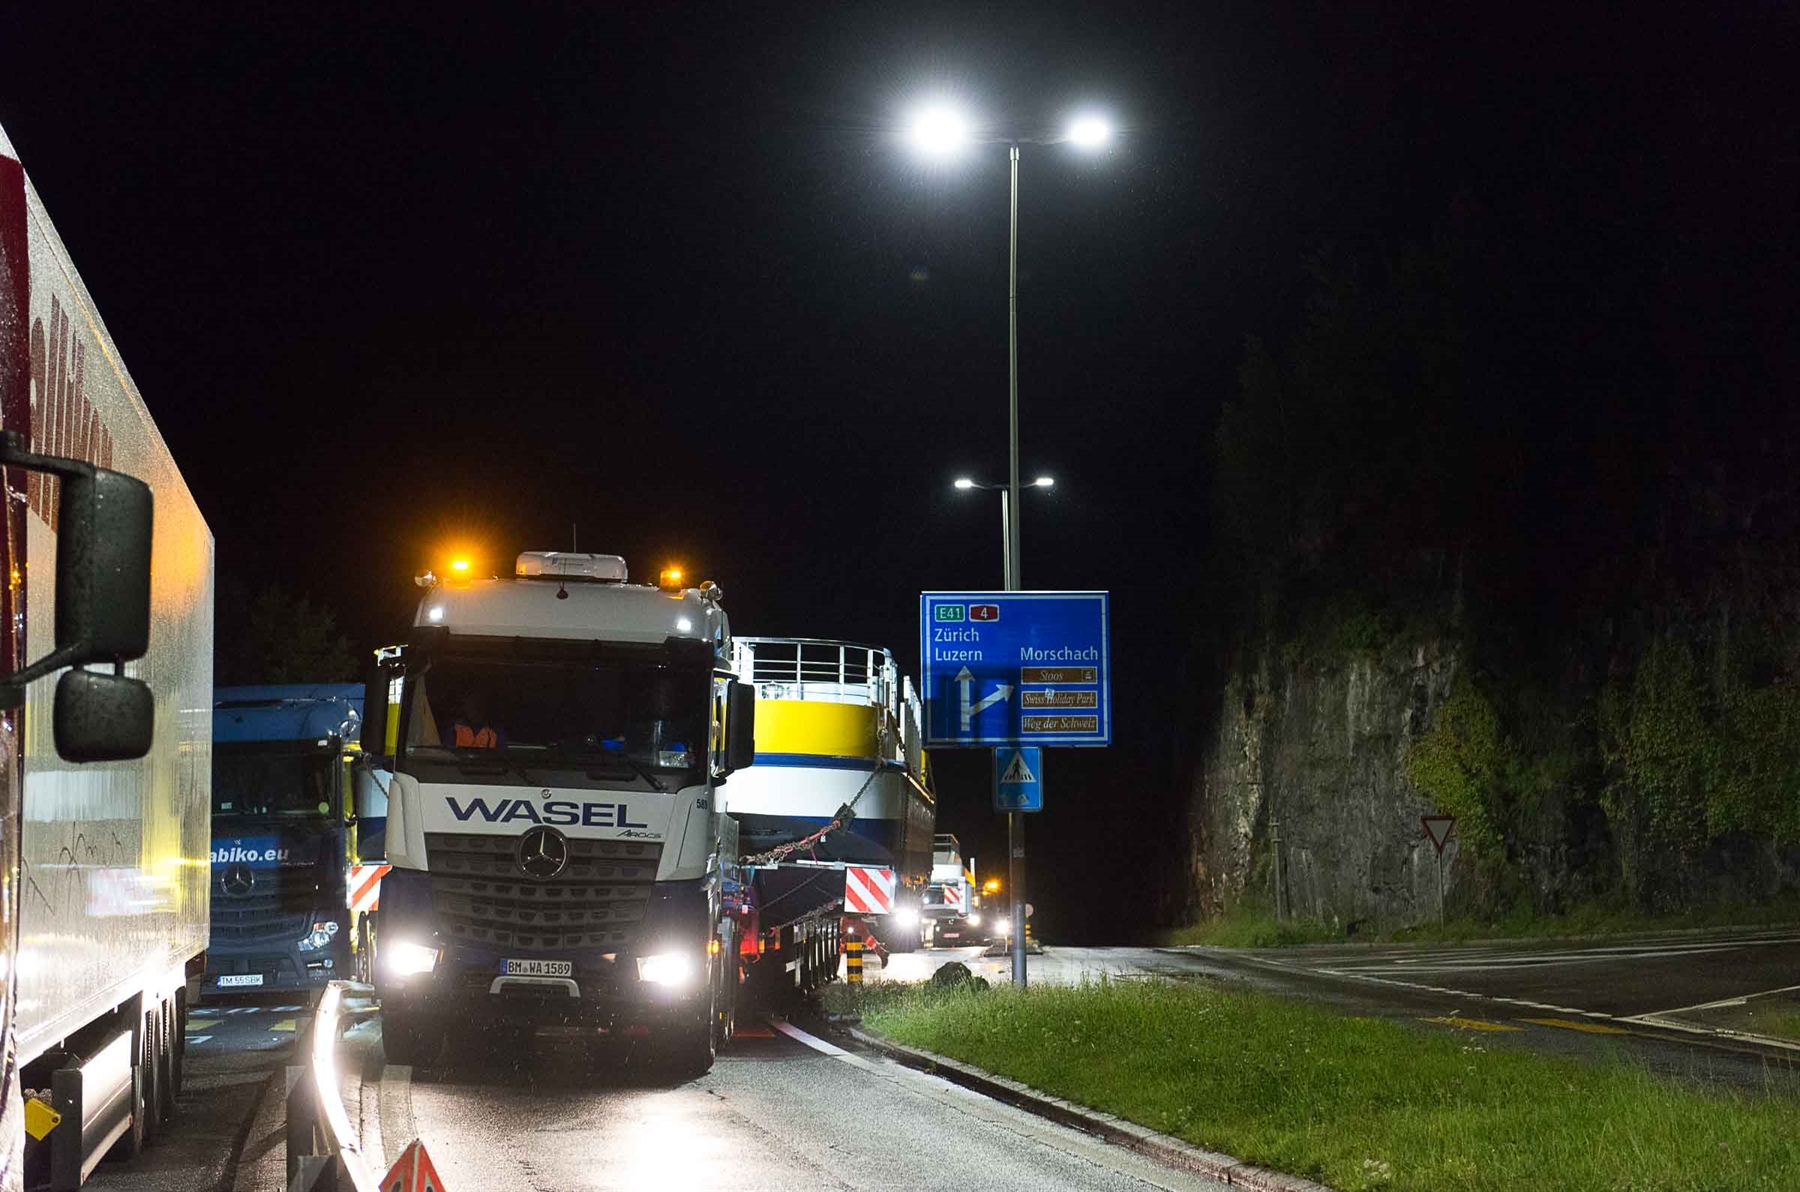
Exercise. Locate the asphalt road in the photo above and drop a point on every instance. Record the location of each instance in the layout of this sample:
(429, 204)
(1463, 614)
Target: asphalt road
(782, 1109)
(234, 1048)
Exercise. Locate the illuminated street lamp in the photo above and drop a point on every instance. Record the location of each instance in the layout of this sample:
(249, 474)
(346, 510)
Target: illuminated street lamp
(940, 131)
(1007, 520)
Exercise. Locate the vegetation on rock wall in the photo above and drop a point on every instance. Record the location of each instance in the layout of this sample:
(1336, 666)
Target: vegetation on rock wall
(1449, 452)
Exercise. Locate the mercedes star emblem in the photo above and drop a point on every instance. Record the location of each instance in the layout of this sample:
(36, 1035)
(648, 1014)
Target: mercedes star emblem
(237, 880)
(543, 853)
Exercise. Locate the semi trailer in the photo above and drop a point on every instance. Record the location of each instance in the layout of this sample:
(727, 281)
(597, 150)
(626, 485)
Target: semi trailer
(835, 819)
(104, 773)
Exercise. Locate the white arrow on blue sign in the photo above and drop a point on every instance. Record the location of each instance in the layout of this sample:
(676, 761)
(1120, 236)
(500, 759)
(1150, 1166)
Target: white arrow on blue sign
(1019, 779)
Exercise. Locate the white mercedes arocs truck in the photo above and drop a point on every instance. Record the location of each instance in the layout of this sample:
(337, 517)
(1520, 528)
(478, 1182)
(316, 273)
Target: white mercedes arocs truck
(104, 773)
(558, 854)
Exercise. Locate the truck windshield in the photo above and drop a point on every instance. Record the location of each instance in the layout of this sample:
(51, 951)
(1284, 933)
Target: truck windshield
(272, 780)
(635, 716)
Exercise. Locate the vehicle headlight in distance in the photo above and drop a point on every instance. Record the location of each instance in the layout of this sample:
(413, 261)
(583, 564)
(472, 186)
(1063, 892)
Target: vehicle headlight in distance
(906, 918)
(974, 919)
(666, 968)
(405, 959)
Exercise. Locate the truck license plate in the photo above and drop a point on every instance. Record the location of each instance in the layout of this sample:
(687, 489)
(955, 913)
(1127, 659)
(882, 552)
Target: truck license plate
(242, 979)
(538, 968)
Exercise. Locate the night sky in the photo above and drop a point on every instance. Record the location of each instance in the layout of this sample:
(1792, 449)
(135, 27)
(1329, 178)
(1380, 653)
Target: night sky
(459, 276)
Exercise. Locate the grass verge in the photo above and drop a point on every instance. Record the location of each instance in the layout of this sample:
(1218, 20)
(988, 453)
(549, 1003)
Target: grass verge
(1251, 927)
(1357, 1103)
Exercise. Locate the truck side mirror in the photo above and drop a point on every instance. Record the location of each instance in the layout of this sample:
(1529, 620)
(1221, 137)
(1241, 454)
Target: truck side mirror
(102, 566)
(102, 607)
(740, 726)
(375, 715)
(102, 718)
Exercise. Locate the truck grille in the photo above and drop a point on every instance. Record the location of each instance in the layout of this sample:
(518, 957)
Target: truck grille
(259, 915)
(479, 892)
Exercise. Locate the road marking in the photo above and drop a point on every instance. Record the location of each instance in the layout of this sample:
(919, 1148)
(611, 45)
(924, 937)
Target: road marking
(1472, 1024)
(286, 1024)
(812, 1041)
(193, 1039)
(287, 1009)
(396, 1112)
(1591, 1028)
(1720, 1004)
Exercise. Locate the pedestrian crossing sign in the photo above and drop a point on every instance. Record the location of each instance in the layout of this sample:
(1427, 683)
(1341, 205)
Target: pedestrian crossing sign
(1018, 778)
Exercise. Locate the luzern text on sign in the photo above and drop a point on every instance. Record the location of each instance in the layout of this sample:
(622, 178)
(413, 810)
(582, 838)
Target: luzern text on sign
(1005, 666)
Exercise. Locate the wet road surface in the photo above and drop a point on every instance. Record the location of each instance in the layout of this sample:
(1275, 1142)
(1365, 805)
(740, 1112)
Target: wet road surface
(783, 1109)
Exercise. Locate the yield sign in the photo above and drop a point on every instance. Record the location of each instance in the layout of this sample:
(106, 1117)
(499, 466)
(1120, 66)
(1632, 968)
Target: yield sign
(412, 1172)
(1438, 829)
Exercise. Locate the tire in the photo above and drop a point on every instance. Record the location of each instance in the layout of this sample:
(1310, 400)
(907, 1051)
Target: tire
(725, 1012)
(410, 1036)
(156, 1091)
(178, 1053)
(167, 1076)
(131, 1143)
(903, 942)
(365, 959)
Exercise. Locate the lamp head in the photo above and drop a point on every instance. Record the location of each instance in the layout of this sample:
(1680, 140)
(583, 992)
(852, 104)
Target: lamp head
(938, 131)
(1090, 132)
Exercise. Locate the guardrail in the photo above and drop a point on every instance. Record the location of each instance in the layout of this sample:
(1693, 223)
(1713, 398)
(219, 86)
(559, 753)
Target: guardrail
(324, 1153)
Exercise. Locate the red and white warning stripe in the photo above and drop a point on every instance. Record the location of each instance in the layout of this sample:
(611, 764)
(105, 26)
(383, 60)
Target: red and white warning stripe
(956, 898)
(867, 890)
(365, 886)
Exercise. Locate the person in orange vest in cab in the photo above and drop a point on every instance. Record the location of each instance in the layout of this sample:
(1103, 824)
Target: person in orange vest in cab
(472, 730)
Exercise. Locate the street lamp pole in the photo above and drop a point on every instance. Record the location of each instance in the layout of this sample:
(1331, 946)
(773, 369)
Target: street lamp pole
(1010, 508)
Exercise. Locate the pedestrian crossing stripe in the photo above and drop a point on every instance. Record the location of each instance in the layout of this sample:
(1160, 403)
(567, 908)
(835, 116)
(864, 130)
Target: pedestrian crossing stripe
(1018, 773)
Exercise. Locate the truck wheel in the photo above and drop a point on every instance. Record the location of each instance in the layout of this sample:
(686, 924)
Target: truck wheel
(902, 942)
(156, 1092)
(131, 1143)
(166, 1071)
(365, 966)
(410, 1036)
(178, 1064)
(725, 1008)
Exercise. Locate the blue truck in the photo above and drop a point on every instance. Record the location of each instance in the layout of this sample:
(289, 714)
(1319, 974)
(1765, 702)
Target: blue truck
(284, 836)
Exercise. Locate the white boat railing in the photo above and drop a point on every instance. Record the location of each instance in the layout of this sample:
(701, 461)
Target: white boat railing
(804, 668)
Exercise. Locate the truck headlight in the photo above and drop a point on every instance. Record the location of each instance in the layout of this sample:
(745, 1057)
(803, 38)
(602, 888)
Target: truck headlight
(906, 918)
(322, 933)
(666, 968)
(405, 959)
(974, 919)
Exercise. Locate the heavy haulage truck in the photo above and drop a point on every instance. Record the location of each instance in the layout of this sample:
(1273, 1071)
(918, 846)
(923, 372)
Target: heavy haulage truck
(105, 562)
(558, 852)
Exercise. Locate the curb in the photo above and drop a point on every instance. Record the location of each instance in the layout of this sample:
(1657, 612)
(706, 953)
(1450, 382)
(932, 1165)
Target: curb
(1163, 1148)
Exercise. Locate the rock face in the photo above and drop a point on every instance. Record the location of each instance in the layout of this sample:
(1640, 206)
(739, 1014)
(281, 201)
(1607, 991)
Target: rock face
(1320, 751)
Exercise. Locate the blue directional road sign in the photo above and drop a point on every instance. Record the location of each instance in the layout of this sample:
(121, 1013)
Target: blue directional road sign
(1016, 668)
(1018, 779)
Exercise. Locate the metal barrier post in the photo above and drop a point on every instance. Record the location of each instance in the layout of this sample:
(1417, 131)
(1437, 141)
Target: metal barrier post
(853, 950)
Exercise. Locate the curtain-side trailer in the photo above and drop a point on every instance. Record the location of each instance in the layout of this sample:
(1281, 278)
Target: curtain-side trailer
(106, 840)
